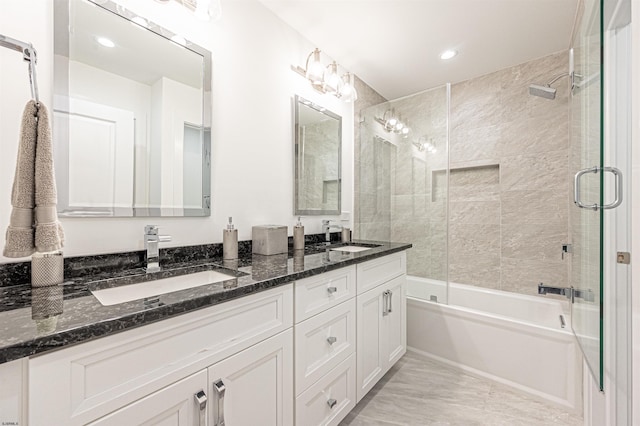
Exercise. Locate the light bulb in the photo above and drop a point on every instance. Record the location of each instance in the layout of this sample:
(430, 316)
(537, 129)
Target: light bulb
(332, 81)
(348, 92)
(315, 69)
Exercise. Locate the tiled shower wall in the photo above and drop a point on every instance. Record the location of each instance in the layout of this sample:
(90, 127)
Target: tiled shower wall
(508, 180)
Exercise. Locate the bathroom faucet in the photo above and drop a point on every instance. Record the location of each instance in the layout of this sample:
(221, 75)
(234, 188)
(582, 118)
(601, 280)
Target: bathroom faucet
(326, 228)
(151, 240)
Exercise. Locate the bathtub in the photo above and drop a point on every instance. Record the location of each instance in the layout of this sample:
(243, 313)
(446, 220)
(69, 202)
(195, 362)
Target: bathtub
(514, 339)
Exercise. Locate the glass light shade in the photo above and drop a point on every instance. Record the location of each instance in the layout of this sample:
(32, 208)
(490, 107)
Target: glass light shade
(332, 81)
(348, 92)
(315, 69)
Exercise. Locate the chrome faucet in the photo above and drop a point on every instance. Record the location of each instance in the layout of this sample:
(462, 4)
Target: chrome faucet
(326, 228)
(151, 241)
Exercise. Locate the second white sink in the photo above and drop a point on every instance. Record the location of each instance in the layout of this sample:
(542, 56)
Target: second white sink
(352, 249)
(127, 293)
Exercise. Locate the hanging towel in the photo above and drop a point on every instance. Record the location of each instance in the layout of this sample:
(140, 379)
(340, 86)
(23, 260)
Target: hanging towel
(34, 225)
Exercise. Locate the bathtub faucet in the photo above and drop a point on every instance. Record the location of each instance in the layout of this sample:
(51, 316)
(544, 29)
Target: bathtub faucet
(568, 292)
(547, 289)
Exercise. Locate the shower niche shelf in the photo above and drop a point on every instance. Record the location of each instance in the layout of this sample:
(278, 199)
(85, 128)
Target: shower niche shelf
(481, 174)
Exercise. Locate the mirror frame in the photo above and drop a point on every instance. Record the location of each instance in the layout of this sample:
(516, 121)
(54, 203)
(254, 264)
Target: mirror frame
(298, 161)
(61, 18)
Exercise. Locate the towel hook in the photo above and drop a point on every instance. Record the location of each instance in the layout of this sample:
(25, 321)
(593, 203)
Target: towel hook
(30, 55)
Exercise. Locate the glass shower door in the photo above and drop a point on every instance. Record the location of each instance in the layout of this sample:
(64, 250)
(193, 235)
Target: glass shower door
(586, 168)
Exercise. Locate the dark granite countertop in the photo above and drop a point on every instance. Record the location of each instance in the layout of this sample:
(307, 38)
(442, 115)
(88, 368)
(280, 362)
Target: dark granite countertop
(36, 320)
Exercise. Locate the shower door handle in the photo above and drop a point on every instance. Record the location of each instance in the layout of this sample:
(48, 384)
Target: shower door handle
(618, 188)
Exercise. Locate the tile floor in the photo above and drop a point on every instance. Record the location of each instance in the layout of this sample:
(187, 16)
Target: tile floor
(420, 391)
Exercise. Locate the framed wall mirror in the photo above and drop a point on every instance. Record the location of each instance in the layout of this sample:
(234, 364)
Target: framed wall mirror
(318, 159)
(132, 115)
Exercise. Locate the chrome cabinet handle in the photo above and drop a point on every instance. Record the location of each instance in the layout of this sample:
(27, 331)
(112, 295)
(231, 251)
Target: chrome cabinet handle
(390, 300)
(331, 402)
(618, 188)
(201, 400)
(385, 303)
(220, 389)
(332, 290)
(332, 340)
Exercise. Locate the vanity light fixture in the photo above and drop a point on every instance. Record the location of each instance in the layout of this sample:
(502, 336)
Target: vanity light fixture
(105, 42)
(448, 54)
(392, 123)
(425, 145)
(327, 79)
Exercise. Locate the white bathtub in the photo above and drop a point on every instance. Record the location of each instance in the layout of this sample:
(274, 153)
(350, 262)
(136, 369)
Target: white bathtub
(514, 339)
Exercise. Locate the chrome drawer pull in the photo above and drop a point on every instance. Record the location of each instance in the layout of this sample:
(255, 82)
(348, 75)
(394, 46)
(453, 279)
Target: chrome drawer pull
(332, 340)
(220, 389)
(201, 400)
(332, 290)
(390, 301)
(331, 403)
(385, 303)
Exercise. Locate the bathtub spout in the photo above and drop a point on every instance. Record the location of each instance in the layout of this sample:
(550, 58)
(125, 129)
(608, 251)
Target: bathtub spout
(547, 289)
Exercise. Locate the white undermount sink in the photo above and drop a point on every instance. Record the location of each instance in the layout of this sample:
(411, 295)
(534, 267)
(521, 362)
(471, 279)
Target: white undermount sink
(352, 249)
(127, 293)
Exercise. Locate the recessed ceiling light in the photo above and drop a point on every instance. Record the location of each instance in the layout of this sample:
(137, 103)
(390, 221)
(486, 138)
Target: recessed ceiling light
(448, 54)
(105, 42)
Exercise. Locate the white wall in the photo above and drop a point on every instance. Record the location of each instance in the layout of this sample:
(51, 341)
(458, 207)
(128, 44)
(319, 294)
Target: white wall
(252, 130)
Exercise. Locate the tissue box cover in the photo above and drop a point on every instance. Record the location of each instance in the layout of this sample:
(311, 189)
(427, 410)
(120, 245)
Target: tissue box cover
(269, 239)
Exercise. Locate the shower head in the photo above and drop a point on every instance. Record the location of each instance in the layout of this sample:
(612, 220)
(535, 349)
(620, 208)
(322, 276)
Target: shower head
(546, 92)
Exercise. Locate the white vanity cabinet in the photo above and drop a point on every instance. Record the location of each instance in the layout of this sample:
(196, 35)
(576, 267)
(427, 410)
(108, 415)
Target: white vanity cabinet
(382, 318)
(325, 344)
(175, 404)
(299, 354)
(124, 378)
(254, 387)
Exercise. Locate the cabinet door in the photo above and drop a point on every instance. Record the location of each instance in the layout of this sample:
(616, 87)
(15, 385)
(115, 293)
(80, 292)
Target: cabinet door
(370, 365)
(173, 405)
(394, 323)
(255, 386)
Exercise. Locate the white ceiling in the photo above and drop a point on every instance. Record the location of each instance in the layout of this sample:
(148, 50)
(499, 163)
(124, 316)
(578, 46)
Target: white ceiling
(395, 45)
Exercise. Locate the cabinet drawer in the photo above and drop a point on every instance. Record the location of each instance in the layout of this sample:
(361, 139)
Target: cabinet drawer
(81, 383)
(316, 407)
(324, 341)
(375, 272)
(319, 293)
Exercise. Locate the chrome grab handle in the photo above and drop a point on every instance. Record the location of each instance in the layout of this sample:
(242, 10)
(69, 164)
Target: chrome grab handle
(332, 290)
(385, 303)
(332, 340)
(618, 188)
(201, 400)
(618, 182)
(331, 402)
(390, 301)
(220, 389)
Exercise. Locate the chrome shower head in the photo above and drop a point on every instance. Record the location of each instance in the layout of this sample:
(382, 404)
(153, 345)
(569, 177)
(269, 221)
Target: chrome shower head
(546, 92)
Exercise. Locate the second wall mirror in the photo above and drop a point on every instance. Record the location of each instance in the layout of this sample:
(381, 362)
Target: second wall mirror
(318, 159)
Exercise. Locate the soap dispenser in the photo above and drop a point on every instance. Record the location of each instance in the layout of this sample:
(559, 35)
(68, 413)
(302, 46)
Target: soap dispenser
(298, 236)
(229, 242)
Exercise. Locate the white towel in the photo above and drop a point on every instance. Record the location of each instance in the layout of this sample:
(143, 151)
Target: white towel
(34, 224)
